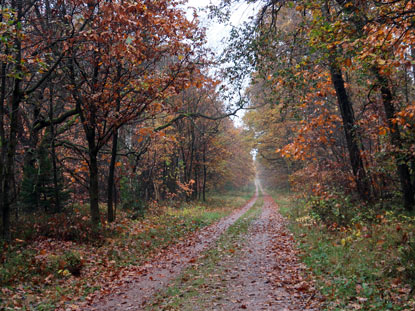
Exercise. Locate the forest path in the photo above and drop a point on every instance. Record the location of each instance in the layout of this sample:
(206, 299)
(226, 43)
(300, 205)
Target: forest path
(140, 283)
(264, 274)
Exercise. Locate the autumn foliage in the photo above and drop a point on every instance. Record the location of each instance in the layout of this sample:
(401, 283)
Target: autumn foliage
(334, 83)
(107, 102)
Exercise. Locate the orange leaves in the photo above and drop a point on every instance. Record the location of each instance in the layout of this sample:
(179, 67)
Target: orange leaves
(124, 89)
(186, 187)
(383, 131)
(145, 131)
(348, 62)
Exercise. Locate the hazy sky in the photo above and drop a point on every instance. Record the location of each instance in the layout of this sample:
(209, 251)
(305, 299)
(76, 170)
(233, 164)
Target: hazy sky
(216, 32)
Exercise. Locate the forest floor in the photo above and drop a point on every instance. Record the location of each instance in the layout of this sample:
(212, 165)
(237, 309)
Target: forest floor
(244, 261)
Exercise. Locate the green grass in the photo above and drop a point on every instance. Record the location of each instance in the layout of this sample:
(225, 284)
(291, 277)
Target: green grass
(201, 283)
(127, 242)
(358, 268)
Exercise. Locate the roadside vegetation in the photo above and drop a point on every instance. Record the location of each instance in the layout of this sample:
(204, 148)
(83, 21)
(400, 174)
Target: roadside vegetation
(368, 264)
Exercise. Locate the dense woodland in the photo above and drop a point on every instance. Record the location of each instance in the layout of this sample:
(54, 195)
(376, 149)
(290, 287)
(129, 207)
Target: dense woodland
(111, 107)
(334, 88)
(109, 102)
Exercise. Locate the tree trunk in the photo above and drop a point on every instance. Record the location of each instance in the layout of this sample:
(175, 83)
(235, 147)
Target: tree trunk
(395, 137)
(111, 176)
(94, 187)
(352, 138)
(53, 155)
(2, 129)
(156, 191)
(9, 167)
(396, 140)
(93, 173)
(13, 128)
(115, 201)
(204, 173)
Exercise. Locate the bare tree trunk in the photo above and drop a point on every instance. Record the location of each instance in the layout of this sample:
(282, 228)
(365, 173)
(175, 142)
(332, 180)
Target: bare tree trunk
(94, 187)
(396, 140)
(13, 128)
(53, 154)
(204, 173)
(2, 131)
(349, 124)
(395, 137)
(352, 138)
(111, 176)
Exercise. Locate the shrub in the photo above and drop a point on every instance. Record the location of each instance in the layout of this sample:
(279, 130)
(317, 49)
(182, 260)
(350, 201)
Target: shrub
(333, 210)
(407, 261)
(71, 261)
(62, 226)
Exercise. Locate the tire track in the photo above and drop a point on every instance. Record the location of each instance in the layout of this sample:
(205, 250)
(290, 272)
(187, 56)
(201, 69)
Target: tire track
(144, 281)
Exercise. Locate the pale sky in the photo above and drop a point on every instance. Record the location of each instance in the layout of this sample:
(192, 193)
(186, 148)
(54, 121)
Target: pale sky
(217, 33)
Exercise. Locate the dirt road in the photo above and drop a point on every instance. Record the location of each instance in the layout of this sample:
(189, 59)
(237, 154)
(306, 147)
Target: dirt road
(144, 281)
(265, 274)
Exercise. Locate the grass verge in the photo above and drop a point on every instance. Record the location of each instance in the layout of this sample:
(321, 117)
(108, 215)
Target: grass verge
(201, 284)
(43, 273)
(358, 268)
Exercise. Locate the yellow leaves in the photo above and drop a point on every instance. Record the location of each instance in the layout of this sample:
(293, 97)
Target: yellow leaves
(381, 62)
(180, 57)
(64, 272)
(346, 240)
(299, 8)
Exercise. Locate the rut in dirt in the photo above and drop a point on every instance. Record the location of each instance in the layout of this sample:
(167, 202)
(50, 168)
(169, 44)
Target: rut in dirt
(144, 281)
(266, 274)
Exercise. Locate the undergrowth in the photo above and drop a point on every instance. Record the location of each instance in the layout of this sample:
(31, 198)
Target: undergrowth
(367, 265)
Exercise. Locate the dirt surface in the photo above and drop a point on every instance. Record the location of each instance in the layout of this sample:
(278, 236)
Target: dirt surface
(266, 274)
(142, 282)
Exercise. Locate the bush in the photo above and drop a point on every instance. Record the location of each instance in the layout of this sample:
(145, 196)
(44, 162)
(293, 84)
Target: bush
(71, 261)
(407, 261)
(343, 210)
(38, 189)
(335, 210)
(131, 194)
(62, 226)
